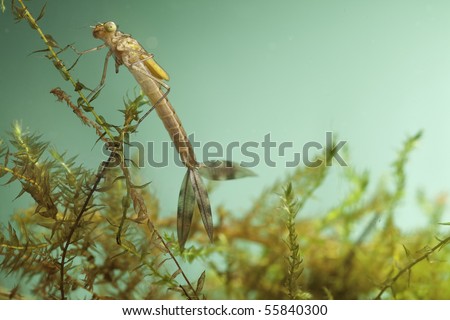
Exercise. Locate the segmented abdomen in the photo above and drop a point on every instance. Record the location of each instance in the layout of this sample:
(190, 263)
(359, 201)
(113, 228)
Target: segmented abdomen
(166, 113)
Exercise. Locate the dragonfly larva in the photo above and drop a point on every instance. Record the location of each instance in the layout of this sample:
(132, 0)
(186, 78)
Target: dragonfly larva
(150, 76)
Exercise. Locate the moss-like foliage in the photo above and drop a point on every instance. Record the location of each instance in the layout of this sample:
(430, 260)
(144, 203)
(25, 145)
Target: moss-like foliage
(98, 234)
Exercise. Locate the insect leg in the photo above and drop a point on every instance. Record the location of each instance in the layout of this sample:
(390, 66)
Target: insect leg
(81, 53)
(103, 79)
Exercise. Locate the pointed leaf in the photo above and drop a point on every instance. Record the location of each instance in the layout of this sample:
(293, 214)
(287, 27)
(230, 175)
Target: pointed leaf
(41, 14)
(13, 178)
(138, 204)
(140, 186)
(186, 204)
(200, 283)
(20, 193)
(224, 170)
(407, 252)
(51, 41)
(38, 51)
(162, 262)
(201, 195)
(175, 274)
(19, 13)
(100, 138)
(95, 96)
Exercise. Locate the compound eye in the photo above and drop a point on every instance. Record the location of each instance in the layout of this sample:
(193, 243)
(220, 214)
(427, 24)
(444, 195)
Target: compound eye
(110, 26)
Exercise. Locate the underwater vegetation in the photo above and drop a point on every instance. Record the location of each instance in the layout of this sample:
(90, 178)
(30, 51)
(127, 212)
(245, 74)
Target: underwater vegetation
(99, 234)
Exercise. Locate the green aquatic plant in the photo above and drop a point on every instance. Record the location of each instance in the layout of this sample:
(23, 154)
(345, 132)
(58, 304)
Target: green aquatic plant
(99, 234)
(294, 260)
(66, 194)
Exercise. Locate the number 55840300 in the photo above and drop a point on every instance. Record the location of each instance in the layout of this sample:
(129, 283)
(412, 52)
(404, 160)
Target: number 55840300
(305, 310)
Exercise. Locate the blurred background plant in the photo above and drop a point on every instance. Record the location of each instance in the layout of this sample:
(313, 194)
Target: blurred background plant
(100, 235)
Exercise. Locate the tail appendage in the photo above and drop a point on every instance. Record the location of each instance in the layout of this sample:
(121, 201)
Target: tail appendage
(193, 191)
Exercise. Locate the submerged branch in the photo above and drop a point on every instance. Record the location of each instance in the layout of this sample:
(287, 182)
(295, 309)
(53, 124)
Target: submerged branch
(410, 265)
(83, 209)
(62, 96)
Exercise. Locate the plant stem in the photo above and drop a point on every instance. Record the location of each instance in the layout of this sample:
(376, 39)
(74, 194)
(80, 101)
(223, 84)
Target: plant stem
(61, 67)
